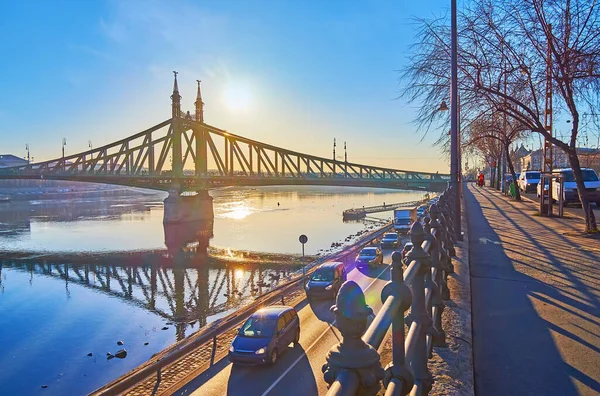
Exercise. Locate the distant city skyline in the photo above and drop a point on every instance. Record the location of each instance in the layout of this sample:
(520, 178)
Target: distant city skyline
(292, 74)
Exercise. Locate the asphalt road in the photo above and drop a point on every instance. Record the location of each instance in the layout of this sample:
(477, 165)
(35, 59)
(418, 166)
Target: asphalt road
(298, 370)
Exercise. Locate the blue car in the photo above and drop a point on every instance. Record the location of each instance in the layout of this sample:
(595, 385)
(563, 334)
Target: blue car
(265, 335)
(326, 281)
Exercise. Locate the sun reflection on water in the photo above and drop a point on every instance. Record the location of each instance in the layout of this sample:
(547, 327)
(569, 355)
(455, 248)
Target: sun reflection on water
(238, 212)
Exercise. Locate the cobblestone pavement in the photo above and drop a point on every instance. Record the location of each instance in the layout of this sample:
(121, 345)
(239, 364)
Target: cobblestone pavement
(535, 298)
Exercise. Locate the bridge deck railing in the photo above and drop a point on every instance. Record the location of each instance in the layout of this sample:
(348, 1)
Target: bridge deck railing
(353, 366)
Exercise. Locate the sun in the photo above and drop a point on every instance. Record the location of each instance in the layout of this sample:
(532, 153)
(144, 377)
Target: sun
(238, 96)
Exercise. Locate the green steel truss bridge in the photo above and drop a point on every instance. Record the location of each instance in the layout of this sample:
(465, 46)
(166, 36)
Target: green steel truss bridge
(184, 153)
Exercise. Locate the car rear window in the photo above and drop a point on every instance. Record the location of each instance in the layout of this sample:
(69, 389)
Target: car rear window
(532, 175)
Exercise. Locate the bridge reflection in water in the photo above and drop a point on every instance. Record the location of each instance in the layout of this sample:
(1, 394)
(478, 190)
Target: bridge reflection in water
(184, 285)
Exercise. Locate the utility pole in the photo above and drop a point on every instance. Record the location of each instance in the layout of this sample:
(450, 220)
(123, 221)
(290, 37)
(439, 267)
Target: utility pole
(334, 149)
(64, 143)
(454, 153)
(547, 155)
(345, 153)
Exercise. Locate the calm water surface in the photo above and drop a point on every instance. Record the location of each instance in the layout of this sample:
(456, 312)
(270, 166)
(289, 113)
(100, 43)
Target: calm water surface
(98, 282)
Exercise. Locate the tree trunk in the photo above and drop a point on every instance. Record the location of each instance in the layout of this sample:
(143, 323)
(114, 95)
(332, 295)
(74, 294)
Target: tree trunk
(511, 168)
(588, 212)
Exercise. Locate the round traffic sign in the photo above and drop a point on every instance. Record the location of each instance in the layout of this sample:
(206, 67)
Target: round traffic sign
(303, 239)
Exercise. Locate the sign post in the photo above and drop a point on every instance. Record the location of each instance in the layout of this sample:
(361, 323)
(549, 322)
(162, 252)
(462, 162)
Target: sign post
(303, 239)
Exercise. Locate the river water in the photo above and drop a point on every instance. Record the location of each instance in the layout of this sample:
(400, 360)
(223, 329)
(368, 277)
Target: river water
(82, 272)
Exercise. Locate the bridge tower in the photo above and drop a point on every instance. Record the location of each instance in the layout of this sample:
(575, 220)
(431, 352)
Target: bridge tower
(200, 136)
(178, 208)
(176, 131)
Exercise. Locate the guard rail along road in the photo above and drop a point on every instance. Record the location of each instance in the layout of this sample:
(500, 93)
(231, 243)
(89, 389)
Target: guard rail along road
(208, 336)
(353, 366)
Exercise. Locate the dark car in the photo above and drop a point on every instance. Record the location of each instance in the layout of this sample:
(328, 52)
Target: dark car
(369, 257)
(265, 335)
(407, 247)
(390, 240)
(326, 281)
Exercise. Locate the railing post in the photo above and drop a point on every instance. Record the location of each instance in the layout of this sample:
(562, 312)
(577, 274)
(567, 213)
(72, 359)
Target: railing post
(397, 370)
(440, 235)
(419, 309)
(352, 354)
(439, 337)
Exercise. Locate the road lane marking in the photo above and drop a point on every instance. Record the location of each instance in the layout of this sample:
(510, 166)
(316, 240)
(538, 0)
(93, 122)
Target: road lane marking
(314, 342)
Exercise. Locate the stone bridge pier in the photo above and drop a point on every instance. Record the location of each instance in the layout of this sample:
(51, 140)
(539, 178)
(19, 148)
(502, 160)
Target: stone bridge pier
(188, 208)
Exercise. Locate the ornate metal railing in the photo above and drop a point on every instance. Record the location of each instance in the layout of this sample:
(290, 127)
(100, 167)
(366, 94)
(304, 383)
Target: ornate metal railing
(353, 365)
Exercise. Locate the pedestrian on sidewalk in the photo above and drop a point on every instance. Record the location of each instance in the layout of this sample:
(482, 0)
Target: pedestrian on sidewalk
(481, 180)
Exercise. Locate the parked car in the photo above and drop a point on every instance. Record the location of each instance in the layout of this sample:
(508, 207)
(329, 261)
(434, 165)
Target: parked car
(528, 181)
(407, 247)
(326, 280)
(265, 335)
(421, 210)
(539, 187)
(590, 180)
(369, 257)
(390, 240)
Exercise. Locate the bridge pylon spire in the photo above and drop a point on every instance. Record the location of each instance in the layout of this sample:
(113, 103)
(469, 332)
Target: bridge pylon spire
(199, 105)
(175, 99)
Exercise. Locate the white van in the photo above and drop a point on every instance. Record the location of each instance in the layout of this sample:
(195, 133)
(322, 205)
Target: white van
(590, 179)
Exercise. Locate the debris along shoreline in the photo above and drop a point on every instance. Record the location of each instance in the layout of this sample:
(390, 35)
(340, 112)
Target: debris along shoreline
(155, 256)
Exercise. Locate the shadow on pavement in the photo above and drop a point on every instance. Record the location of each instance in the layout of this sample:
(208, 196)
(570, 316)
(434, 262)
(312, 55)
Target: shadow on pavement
(255, 380)
(516, 350)
(321, 309)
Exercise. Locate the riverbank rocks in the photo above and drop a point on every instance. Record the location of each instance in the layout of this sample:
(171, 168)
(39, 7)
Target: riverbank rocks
(165, 328)
(89, 354)
(146, 343)
(119, 342)
(44, 386)
(121, 354)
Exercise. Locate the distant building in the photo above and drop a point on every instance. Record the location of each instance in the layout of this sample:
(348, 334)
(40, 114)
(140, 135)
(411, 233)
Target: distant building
(8, 160)
(516, 157)
(588, 158)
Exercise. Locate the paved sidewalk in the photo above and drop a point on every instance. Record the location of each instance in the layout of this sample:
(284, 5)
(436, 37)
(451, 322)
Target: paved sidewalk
(535, 285)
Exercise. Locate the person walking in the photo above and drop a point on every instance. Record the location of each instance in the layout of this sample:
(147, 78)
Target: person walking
(481, 180)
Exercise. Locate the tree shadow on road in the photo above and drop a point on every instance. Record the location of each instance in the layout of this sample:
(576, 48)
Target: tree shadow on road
(525, 305)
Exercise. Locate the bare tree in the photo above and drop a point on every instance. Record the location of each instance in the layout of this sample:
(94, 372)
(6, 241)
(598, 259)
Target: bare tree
(492, 136)
(502, 67)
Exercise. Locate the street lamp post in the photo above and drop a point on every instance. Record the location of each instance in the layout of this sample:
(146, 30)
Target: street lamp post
(454, 147)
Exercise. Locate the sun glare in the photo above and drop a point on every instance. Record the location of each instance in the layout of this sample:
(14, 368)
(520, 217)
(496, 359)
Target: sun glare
(238, 212)
(238, 97)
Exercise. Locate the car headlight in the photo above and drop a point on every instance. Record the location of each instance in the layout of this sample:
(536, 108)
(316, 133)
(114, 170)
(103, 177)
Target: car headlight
(260, 351)
(328, 287)
(231, 349)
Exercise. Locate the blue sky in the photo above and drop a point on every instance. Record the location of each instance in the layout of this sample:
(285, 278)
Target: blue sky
(290, 73)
